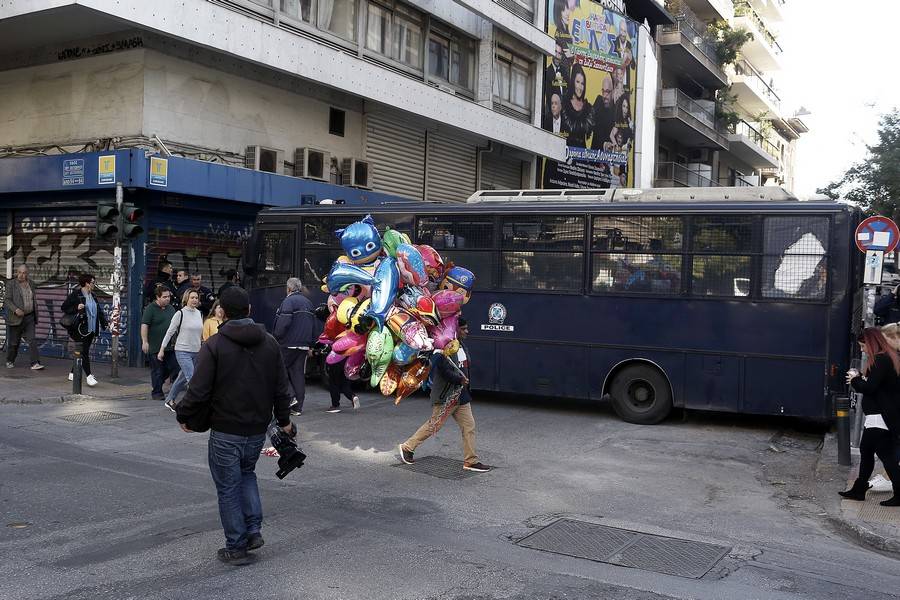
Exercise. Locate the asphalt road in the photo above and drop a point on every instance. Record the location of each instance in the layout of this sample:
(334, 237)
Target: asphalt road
(126, 508)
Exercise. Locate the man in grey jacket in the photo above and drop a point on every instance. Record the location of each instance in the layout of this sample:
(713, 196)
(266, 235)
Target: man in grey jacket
(294, 329)
(21, 318)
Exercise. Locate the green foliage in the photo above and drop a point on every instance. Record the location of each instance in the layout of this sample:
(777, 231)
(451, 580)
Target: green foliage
(725, 112)
(765, 123)
(728, 41)
(874, 182)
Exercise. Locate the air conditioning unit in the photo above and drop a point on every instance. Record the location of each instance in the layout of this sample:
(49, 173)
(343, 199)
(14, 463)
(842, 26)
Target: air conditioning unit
(260, 158)
(312, 164)
(356, 173)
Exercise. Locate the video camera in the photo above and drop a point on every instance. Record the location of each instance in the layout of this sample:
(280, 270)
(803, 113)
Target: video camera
(290, 455)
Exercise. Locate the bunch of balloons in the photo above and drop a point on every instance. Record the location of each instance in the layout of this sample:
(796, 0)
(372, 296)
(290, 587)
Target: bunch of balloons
(391, 305)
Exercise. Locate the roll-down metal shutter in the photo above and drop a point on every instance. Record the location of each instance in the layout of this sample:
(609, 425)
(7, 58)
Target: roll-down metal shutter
(197, 242)
(5, 232)
(396, 155)
(451, 168)
(58, 246)
(500, 172)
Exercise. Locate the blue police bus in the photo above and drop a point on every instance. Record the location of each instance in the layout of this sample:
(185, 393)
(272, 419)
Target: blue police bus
(721, 299)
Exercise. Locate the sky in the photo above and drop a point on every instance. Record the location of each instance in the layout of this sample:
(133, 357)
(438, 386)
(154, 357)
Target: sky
(839, 63)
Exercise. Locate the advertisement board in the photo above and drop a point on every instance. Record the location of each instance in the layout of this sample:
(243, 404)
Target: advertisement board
(589, 95)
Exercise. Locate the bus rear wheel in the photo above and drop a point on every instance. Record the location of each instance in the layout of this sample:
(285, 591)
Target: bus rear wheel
(640, 394)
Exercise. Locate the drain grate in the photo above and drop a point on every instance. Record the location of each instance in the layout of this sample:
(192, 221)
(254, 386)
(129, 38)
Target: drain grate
(601, 543)
(438, 466)
(92, 417)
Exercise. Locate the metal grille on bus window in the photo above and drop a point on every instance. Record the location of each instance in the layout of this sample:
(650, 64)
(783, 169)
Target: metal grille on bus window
(638, 273)
(721, 276)
(733, 234)
(635, 233)
(319, 231)
(549, 271)
(278, 251)
(444, 232)
(480, 262)
(316, 265)
(795, 261)
(543, 233)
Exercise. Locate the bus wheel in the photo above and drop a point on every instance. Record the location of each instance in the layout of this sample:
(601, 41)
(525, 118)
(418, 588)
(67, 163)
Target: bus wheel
(640, 394)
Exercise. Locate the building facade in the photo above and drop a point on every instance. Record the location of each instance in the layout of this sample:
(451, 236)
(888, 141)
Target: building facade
(721, 120)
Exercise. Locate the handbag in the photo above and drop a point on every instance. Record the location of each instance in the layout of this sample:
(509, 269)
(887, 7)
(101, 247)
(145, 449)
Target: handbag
(67, 321)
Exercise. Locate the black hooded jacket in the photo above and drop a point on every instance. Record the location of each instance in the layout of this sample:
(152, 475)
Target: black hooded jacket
(240, 378)
(881, 392)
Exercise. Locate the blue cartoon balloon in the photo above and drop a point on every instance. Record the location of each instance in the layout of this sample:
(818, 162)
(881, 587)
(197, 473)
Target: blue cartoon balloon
(361, 241)
(384, 284)
(459, 279)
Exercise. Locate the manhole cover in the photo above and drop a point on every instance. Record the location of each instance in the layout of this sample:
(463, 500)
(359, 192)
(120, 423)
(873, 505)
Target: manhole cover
(92, 417)
(872, 511)
(438, 466)
(601, 543)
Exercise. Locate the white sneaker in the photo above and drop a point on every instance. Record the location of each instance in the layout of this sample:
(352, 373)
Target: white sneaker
(91, 381)
(880, 483)
(71, 376)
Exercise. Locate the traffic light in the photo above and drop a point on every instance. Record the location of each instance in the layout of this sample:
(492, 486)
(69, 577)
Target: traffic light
(131, 226)
(107, 220)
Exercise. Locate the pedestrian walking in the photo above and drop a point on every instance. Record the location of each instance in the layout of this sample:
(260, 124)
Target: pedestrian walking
(154, 325)
(339, 384)
(206, 296)
(164, 278)
(880, 386)
(449, 372)
(213, 322)
(21, 318)
(232, 279)
(294, 329)
(88, 320)
(880, 483)
(239, 384)
(186, 328)
(182, 282)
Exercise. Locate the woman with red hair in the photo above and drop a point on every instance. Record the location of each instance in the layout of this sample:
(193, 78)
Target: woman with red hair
(880, 386)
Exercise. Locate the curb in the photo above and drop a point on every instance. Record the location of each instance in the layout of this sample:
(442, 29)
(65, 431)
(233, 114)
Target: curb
(824, 473)
(68, 398)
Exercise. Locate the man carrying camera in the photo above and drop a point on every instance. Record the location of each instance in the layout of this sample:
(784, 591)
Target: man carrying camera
(238, 383)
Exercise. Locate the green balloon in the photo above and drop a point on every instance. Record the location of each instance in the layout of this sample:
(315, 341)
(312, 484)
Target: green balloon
(393, 238)
(379, 353)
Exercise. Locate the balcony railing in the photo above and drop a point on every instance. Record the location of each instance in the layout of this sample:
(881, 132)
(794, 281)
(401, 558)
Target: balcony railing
(755, 80)
(745, 129)
(743, 9)
(690, 36)
(681, 175)
(673, 97)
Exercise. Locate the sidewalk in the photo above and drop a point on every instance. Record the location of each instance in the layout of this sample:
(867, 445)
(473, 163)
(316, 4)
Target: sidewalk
(24, 386)
(872, 524)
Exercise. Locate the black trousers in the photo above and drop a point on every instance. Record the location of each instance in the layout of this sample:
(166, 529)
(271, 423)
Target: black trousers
(85, 347)
(338, 383)
(880, 443)
(17, 333)
(295, 363)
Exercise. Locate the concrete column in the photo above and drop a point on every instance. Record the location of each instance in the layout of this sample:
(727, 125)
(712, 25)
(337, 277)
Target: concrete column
(484, 88)
(645, 112)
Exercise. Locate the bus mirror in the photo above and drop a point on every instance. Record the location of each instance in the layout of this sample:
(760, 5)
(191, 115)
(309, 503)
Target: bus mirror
(250, 258)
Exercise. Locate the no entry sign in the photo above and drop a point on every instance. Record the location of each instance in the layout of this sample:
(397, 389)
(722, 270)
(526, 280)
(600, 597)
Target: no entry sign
(877, 233)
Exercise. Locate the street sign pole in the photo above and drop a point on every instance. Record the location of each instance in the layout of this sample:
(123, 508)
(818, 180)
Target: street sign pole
(116, 284)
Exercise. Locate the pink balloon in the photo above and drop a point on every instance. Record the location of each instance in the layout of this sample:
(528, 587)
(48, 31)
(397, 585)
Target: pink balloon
(445, 333)
(448, 302)
(348, 343)
(354, 364)
(333, 358)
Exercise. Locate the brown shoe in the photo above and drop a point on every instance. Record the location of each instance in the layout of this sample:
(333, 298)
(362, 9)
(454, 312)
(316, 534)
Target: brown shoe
(406, 455)
(478, 467)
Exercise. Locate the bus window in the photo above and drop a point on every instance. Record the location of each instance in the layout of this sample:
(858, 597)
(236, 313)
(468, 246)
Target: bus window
(795, 261)
(321, 246)
(277, 251)
(542, 252)
(637, 254)
(465, 241)
(722, 249)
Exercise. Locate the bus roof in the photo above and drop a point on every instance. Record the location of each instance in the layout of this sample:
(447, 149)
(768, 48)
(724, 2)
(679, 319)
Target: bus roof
(630, 195)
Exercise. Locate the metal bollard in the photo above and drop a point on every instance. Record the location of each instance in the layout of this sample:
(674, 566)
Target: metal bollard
(76, 373)
(842, 423)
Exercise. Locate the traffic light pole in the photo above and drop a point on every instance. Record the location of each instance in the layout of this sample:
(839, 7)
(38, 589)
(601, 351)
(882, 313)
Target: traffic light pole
(117, 288)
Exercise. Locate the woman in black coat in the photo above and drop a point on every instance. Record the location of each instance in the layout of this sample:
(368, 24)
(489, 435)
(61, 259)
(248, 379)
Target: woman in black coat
(881, 395)
(88, 320)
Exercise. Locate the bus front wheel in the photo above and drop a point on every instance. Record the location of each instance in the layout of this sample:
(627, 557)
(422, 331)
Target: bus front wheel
(640, 394)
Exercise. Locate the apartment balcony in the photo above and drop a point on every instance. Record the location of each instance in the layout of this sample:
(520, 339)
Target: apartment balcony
(691, 122)
(771, 10)
(712, 10)
(752, 91)
(763, 49)
(751, 147)
(670, 174)
(686, 50)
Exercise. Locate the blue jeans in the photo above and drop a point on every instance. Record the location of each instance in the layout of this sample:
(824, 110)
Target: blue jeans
(186, 362)
(232, 461)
